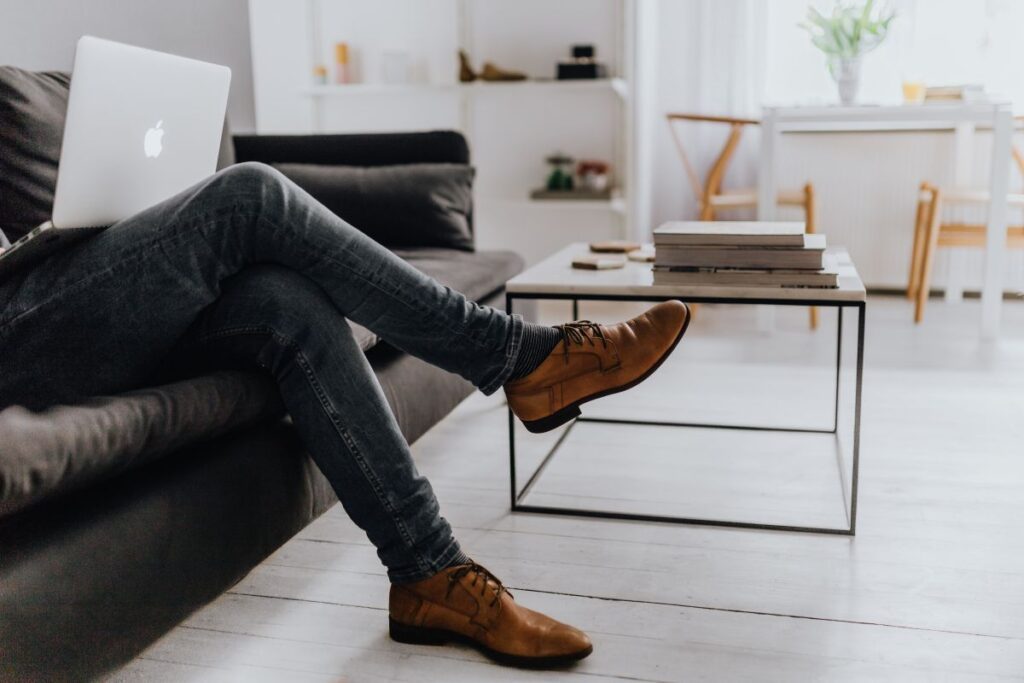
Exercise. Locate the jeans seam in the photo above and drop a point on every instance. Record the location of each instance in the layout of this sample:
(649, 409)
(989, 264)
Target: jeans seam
(393, 293)
(368, 472)
(342, 431)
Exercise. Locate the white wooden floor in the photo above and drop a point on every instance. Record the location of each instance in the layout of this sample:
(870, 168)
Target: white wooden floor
(931, 588)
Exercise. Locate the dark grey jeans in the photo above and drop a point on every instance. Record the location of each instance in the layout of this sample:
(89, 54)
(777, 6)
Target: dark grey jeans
(246, 267)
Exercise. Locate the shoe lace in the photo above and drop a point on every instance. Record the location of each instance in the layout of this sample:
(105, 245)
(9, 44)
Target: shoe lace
(579, 333)
(481, 574)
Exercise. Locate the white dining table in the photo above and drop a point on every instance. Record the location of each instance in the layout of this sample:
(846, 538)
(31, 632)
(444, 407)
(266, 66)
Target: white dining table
(960, 117)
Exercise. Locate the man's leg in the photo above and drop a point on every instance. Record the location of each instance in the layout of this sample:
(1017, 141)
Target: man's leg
(278, 320)
(101, 316)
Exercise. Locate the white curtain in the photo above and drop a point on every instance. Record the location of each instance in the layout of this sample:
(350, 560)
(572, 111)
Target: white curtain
(711, 61)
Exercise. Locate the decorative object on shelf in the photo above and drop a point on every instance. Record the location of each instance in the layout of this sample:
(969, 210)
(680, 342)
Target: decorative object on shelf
(598, 262)
(495, 73)
(320, 75)
(583, 64)
(342, 69)
(560, 177)
(593, 175)
(850, 32)
(466, 73)
(614, 246)
(490, 71)
(395, 67)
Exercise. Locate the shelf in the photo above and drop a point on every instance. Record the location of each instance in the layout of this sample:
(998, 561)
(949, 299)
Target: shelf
(616, 204)
(617, 85)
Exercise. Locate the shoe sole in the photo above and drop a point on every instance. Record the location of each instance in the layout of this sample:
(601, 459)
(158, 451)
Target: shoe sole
(420, 635)
(572, 411)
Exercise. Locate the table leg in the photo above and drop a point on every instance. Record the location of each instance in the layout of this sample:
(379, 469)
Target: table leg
(963, 163)
(767, 192)
(995, 238)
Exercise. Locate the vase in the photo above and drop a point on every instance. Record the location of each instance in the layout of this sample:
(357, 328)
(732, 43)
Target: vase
(846, 72)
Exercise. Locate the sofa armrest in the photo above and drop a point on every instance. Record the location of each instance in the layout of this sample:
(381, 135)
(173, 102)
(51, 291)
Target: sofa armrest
(369, 149)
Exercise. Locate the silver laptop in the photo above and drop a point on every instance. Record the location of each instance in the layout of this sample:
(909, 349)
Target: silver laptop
(141, 126)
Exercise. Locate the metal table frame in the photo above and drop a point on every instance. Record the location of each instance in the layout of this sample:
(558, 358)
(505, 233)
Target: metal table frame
(849, 506)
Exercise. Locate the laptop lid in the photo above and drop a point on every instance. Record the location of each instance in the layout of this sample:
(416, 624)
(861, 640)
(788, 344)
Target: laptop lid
(141, 126)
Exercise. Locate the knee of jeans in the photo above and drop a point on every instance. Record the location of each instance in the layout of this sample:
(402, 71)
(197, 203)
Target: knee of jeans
(289, 304)
(252, 175)
(250, 186)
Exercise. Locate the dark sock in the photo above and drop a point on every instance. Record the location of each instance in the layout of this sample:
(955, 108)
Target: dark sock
(460, 558)
(538, 342)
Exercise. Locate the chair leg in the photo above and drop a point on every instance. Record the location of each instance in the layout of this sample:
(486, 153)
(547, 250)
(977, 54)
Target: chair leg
(931, 241)
(810, 226)
(918, 246)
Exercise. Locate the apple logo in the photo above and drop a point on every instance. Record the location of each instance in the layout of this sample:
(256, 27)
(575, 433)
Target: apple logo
(153, 144)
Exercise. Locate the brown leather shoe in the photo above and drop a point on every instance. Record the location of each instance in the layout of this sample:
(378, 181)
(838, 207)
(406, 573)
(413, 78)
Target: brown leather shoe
(467, 603)
(595, 360)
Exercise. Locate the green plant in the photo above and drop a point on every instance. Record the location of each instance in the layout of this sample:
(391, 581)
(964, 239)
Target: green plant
(850, 31)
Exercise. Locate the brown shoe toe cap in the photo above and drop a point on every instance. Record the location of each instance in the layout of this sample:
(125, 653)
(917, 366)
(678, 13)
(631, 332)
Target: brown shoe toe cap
(668, 316)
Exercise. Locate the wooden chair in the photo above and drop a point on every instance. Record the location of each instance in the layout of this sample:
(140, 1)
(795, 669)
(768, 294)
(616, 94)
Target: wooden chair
(710, 194)
(930, 232)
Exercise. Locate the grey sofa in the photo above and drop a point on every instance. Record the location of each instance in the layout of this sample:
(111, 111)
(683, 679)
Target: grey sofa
(99, 558)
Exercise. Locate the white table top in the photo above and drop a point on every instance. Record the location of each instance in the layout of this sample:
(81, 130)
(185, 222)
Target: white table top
(555, 275)
(887, 117)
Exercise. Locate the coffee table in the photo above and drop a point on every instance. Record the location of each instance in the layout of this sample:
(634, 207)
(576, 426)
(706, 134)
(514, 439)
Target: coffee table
(765, 450)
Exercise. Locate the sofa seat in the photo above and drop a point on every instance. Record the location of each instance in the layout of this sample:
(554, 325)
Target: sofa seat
(477, 274)
(65, 448)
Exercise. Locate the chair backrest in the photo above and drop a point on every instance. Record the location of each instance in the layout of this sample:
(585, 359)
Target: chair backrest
(712, 185)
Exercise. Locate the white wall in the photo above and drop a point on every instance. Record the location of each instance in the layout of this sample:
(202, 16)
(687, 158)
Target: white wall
(41, 34)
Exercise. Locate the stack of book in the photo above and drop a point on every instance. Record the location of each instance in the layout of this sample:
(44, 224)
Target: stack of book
(955, 93)
(741, 254)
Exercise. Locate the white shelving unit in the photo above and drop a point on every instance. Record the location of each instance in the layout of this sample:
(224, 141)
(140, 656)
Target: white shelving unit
(511, 127)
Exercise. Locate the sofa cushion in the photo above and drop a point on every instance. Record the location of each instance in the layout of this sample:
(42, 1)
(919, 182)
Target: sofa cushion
(399, 206)
(478, 275)
(67, 447)
(32, 106)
